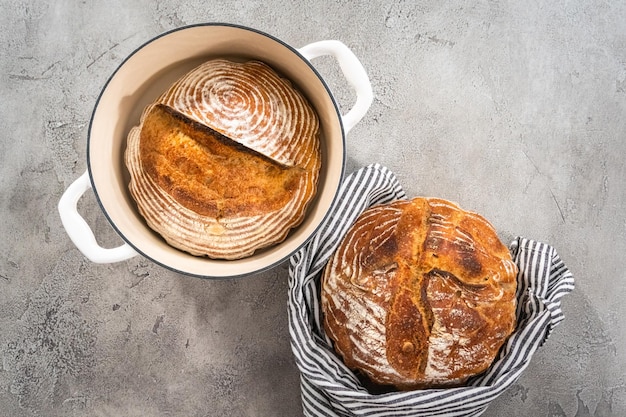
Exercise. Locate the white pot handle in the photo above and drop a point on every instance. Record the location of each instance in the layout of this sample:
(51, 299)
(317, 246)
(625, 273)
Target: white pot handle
(79, 231)
(353, 71)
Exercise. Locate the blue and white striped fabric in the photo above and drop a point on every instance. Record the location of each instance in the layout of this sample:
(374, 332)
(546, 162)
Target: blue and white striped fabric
(329, 388)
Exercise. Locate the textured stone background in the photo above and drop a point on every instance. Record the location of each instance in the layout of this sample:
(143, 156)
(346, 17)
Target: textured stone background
(513, 109)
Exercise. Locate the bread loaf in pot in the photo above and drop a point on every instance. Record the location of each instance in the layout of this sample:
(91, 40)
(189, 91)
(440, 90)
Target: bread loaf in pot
(419, 294)
(226, 161)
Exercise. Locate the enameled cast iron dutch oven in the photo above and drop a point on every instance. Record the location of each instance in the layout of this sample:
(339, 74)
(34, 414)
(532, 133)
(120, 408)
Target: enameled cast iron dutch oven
(149, 71)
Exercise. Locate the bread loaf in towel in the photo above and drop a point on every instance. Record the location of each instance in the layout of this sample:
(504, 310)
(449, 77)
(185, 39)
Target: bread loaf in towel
(226, 161)
(419, 294)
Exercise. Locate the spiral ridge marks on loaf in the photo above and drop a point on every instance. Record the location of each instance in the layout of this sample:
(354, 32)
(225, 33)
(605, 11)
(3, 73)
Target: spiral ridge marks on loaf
(202, 235)
(250, 104)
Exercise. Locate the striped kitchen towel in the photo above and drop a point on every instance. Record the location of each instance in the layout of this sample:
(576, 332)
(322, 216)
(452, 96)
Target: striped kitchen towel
(329, 388)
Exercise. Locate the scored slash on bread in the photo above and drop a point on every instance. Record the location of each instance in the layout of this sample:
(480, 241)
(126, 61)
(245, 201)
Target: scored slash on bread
(419, 294)
(226, 161)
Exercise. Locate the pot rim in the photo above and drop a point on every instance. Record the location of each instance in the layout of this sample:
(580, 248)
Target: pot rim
(138, 248)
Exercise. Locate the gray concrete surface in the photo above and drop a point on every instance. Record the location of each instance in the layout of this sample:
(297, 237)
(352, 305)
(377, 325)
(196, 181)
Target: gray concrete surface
(513, 109)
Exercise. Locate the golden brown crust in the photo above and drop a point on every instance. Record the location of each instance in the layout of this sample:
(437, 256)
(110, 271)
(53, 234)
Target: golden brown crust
(419, 294)
(209, 173)
(226, 161)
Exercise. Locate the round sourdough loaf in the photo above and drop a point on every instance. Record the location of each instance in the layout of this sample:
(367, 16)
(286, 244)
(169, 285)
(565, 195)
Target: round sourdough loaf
(419, 294)
(226, 161)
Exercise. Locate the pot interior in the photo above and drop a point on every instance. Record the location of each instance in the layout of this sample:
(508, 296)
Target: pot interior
(146, 74)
